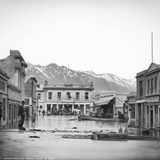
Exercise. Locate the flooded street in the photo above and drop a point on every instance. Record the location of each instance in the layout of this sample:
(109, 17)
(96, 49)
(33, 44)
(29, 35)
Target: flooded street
(19, 145)
(63, 122)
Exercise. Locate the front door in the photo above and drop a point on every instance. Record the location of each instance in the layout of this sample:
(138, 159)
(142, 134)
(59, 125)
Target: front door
(151, 118)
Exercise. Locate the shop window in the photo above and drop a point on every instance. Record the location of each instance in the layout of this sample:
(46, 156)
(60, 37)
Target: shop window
(49, 95)
(86, 96)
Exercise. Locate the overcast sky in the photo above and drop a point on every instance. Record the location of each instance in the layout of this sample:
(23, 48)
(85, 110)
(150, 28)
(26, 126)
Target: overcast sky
(105, 36)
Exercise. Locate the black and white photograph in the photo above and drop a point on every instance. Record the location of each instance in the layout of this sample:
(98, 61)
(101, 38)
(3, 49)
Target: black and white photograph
(80, 79)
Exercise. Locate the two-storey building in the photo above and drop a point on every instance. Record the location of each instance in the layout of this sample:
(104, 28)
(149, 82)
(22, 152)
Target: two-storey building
(3, 95)
(148, 97)
(14, 66)
(65, 97)
(30, 95)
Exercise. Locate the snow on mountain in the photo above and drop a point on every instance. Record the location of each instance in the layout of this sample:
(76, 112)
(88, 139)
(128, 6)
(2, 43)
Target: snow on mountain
(61, 74)
(113, 78)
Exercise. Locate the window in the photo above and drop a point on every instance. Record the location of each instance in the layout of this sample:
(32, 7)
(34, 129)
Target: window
(26, 101)
(141, 88)
(155, 84)
(148, 86)
(139, 110)
(151, 86)
(68, 95)
(132, 111)
(86, 95)
(49, 95)
(3, 108)
(10, 111)
(59, 95)
(2, 85)
(39, 95)
(147, 113)
(77, 95)
(156, 113)
(14, 111)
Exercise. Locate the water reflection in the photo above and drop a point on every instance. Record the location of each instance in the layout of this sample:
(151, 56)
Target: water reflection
(63, 122)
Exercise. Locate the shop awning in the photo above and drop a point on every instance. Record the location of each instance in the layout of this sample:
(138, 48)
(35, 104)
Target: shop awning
(104, 99)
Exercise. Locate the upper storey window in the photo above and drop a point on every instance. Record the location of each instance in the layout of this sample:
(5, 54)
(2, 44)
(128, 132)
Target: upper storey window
(49, 95)
(151, 86)
(59, 95)
(68, 95)
(141, 88)
(39, 95)
(86, 95)
(77, 95)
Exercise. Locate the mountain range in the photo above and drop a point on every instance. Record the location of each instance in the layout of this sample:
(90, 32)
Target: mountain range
(55, 74)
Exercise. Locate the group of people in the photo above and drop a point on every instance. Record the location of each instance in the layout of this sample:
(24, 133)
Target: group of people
(123, 118)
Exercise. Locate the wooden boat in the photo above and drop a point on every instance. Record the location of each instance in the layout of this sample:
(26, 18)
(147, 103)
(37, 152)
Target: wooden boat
(98, 119)
(73, 118)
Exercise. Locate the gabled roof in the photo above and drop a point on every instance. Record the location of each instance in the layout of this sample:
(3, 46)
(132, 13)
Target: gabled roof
(152, 68)
(31, 77)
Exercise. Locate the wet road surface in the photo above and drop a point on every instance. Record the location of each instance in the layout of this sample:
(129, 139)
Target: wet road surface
(76, 149)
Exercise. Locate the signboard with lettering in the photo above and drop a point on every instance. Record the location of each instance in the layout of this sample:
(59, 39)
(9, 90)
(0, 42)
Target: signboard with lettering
(103, 99)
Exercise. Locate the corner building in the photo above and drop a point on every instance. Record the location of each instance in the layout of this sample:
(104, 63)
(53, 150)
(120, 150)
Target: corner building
(67, 97)
(14, 67)
(148, 97)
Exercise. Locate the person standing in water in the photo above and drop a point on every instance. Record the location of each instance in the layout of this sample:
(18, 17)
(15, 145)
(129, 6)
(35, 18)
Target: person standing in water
(33, 119)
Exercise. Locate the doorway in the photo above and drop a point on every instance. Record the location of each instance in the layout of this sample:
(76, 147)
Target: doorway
(151, 118)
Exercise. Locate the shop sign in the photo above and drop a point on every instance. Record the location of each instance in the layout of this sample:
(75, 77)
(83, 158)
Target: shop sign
(68, 101)
(103, 99)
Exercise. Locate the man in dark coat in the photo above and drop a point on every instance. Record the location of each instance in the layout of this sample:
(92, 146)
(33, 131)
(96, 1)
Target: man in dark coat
(21, 115)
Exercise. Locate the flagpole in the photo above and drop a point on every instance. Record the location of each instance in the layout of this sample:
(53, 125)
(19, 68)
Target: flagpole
(152, 46)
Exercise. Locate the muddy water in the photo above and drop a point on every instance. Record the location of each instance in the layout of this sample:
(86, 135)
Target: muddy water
(64, 122)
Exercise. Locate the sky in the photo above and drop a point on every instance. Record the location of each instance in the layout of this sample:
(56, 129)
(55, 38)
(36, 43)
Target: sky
(105, 36)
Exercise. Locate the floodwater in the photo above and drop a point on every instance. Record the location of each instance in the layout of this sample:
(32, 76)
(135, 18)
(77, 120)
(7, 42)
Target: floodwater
(63, 122)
